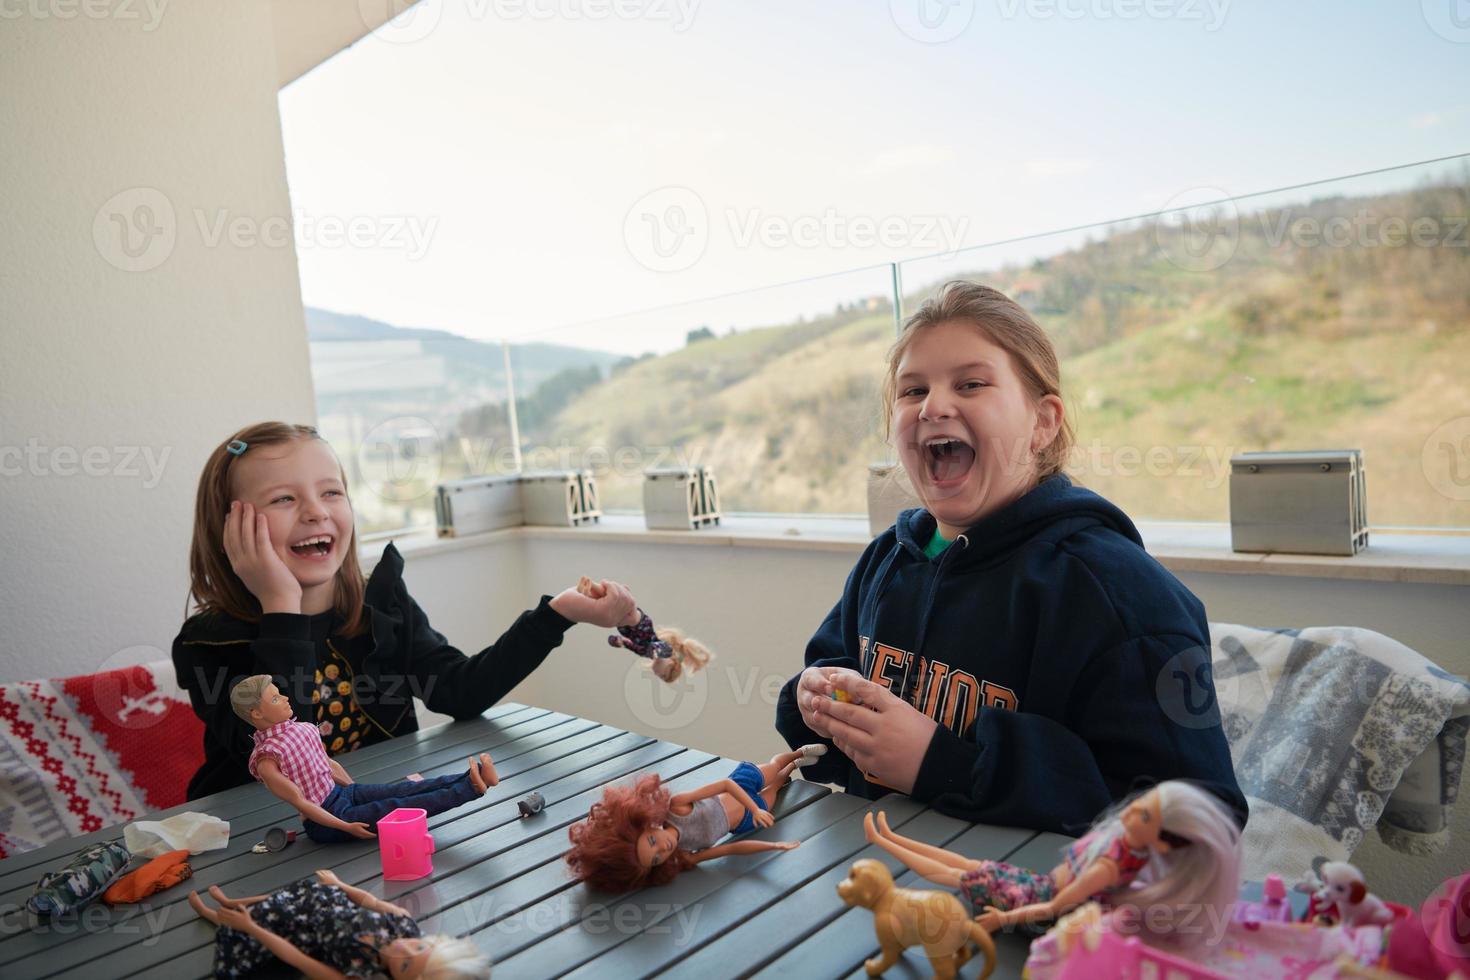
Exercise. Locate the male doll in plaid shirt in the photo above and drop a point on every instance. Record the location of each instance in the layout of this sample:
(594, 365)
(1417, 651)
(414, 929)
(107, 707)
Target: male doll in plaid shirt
(290, 760)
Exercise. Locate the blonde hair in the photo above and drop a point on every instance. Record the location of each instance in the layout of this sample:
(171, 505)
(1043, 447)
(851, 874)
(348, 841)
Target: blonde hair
(245, 696)
(1005, 323)
(213, 584)
(452, 958)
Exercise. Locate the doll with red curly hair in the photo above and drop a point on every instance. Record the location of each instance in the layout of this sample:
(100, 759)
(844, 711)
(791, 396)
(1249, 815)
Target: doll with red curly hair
(644, 835)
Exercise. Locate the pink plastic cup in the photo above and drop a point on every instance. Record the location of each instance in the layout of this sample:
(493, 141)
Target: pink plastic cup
(405, 844)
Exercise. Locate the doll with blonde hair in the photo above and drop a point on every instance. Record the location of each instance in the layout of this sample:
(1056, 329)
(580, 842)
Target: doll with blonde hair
(330, 930)
(1172, 848)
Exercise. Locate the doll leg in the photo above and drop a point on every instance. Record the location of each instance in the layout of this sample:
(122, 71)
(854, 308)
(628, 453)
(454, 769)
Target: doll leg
(936, 871)
(219, 896)
(956, 861)
(205, 912)
(370, 805)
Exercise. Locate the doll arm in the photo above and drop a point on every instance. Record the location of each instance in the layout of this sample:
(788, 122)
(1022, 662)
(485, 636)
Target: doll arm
(361, 896)
(339, 775)
(239, 919)
(277, 783)
(743, 847)
(1098, 876)
(703, 793)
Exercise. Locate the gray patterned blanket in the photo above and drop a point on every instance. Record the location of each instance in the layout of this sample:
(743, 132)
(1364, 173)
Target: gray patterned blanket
(1333, 731)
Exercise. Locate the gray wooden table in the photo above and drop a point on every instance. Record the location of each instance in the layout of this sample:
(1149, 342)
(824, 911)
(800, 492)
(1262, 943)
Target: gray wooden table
(499, 879)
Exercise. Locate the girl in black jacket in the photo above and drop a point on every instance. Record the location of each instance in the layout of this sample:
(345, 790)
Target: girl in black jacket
(278, 589)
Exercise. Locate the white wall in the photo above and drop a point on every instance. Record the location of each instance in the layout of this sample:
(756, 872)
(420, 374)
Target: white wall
(756, 607)
(178, 114)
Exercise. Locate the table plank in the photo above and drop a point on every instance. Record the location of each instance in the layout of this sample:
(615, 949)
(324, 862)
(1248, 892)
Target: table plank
(1042, 851)
(214, 866)
(464, 869)
(759, 939)
(219, 803)
(579, 924)
(743, 899)
(840, 946)
(247, 875)
(265, 810)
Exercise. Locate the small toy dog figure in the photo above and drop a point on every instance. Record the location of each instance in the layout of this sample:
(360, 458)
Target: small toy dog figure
(1344, 889)
(904, 917)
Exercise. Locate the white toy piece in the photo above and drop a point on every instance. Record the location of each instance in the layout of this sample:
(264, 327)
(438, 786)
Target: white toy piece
(1343, 887)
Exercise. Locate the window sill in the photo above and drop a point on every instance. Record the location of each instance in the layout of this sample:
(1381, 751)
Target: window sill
(1427, 558)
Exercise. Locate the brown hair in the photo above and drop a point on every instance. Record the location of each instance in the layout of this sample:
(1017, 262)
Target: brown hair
(213, 585)
(1006, 324)
(604, 850)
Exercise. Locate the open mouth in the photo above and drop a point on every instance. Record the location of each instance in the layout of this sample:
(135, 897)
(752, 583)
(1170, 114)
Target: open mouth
(317, 546)
(948, 459)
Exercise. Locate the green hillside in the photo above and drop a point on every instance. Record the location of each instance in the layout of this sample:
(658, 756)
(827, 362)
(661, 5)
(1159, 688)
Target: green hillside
(1291, 343)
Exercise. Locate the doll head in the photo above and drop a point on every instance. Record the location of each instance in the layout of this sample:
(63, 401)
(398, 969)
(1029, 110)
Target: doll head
(972, 402)
(434, 958)
(684, 651)
(1183, 897)
(606, 846)
(259, 703)
(292, 478)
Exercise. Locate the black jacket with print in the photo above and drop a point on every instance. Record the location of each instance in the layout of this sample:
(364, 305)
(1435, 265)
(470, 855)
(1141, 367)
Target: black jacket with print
(405, 658)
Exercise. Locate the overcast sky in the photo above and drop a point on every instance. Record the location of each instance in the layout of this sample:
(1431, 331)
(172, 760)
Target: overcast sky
(519, 165)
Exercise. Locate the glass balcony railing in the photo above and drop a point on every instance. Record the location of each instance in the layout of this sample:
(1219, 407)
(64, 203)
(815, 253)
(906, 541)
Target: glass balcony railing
(1333, 315)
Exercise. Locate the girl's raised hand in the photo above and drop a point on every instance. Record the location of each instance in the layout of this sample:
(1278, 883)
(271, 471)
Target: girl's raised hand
(613, 607)
(248, 547)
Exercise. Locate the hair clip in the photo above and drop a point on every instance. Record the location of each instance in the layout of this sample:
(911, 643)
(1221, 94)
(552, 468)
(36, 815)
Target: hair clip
(237, 446)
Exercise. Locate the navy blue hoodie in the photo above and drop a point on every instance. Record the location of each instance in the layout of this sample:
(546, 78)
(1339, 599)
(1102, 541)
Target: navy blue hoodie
(1062, 662)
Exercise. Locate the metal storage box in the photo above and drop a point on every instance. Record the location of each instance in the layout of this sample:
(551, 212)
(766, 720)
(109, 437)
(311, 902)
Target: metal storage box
(1310, 503)
(477, 504)
(555, 498)
(888, 494)
(679, 498)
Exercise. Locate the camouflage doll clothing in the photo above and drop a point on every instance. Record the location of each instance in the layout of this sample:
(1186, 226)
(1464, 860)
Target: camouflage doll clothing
(85, 876)
(321, 921)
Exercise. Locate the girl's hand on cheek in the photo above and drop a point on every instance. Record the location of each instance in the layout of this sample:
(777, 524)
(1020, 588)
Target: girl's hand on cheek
(884, 736)
(254, 560)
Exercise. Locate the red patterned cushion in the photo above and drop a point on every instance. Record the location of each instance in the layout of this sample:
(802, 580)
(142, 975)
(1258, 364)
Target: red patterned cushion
(82, 753)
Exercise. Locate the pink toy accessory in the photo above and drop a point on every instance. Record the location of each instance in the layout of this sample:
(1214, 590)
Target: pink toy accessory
(405, 844)
(1091, 951)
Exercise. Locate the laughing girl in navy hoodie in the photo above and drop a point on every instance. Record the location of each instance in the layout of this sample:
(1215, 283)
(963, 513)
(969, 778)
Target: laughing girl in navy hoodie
(1009, 653)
